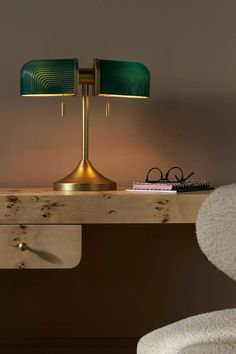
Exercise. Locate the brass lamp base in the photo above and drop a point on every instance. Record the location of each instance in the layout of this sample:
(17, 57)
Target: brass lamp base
(84, 178)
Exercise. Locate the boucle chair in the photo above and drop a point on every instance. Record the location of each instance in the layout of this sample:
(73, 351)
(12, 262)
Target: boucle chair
(214, 332)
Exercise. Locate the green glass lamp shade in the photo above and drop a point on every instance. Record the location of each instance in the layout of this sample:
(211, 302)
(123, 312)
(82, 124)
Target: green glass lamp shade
(121, 79)
(54, 77)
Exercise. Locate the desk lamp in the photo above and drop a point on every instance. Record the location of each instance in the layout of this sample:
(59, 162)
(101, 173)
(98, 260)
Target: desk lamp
(62, 77)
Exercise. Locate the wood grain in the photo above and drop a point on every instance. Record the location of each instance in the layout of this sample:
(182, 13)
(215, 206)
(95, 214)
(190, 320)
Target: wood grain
(43, 206)
(47, 246)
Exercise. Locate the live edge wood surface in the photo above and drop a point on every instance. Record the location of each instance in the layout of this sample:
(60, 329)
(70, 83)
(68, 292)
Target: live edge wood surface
(45, 206)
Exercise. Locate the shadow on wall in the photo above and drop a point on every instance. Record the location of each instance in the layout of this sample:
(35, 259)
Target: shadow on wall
(197, 133)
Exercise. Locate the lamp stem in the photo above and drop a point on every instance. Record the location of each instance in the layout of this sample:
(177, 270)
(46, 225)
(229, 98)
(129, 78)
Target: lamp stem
(85, 114)
(84, 177)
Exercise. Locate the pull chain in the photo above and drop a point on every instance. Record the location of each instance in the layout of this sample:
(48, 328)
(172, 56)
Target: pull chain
(62, 106)
(107, 107)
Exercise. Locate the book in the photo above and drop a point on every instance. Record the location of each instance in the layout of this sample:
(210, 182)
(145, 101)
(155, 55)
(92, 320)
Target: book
(152, 186)
(152, 191)
(191, 186)
(186, 186)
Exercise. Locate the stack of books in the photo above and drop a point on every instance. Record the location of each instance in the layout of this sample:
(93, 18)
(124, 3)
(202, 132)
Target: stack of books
(187, 186)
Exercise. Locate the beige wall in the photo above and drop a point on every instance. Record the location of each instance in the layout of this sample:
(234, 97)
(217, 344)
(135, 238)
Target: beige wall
(190, 120)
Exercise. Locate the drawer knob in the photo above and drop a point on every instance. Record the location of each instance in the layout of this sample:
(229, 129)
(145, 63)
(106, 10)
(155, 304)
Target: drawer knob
(22, 246)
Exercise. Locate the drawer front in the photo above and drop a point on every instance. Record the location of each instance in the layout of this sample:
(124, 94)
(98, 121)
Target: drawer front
(40, 246)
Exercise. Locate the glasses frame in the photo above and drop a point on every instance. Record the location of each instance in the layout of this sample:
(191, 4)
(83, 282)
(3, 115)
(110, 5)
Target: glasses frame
(165, 178)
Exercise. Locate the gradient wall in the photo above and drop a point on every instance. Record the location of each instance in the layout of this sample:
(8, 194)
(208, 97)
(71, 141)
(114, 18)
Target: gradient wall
(189, 47)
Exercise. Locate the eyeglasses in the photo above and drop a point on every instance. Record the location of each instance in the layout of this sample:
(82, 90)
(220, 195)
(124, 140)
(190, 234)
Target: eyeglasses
(174, 175)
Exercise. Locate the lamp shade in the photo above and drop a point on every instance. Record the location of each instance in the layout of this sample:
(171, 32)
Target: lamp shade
(54, 77)
(121, 79)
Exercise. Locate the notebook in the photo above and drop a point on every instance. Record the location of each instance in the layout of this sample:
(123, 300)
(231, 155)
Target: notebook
(177, 187)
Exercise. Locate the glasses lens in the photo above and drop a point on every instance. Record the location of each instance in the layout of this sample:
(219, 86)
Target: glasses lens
(154, 175)
(175, 174)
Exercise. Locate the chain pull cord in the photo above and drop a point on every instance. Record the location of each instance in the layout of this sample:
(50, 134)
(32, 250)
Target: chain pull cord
(107, 107)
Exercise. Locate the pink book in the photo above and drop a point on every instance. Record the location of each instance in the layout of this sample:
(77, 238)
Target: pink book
(152, 186)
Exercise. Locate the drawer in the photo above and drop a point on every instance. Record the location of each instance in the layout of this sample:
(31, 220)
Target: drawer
(40, 246)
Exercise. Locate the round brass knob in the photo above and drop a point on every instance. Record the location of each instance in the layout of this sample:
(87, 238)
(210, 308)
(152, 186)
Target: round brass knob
(22, 246)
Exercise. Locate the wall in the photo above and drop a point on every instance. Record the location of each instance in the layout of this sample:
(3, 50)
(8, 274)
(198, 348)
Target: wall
(189, 47)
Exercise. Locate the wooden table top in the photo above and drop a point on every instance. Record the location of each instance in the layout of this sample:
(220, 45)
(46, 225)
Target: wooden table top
(45, 206)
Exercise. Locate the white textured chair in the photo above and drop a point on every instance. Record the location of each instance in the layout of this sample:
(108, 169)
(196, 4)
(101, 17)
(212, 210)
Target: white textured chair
(214, 332)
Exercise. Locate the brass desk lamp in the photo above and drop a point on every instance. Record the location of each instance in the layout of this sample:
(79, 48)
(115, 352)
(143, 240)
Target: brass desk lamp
(62, 77)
